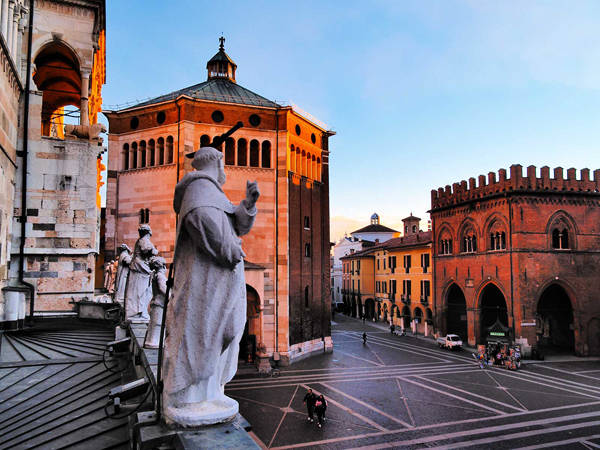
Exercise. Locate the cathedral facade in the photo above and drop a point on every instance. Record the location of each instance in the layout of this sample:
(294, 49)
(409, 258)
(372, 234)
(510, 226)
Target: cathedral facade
(287, 252)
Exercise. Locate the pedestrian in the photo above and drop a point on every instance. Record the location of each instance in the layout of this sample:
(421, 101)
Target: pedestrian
(363, 319)
(320, 408)
(365, 338)
(309, 400)
(392, 328)
(332, 314)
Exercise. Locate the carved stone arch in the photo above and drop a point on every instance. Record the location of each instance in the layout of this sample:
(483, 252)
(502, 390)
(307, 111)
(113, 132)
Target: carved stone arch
(39, 45)
(468, 228)
(446, 232)
(561, 220)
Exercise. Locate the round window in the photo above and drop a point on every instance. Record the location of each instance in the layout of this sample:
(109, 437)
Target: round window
(313, 138)
(254, 120)
(298, 130)
(161, 117)
(217, 116)
(135, 122)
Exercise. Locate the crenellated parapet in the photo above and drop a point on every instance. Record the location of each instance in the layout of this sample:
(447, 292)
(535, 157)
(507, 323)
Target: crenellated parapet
(482, 187)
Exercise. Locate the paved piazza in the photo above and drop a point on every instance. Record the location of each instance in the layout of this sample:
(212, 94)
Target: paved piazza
(401, 392)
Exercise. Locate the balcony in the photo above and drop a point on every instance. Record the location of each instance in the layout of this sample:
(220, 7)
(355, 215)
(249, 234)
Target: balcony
(424, 300)
(405, 298)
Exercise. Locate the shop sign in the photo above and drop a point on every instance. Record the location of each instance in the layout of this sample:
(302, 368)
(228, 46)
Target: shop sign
(528, 324)
(496, 333)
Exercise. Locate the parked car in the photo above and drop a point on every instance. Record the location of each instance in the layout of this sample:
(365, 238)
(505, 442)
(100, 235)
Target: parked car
(451, 342)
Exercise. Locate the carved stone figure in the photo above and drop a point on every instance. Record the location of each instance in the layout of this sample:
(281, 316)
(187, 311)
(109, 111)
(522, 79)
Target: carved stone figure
(138, 292)
(88, 132)
(206, 316)
(107, 274)
(159, 291)
(122, 271)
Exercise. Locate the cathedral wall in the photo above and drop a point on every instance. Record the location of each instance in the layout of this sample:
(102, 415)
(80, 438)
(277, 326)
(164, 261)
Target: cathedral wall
(62, 217)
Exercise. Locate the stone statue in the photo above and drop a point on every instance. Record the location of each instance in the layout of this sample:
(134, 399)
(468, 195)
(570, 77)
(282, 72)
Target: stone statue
(122, 271)
(88, 132)
(113, 268)
(159, 291)
(138, 291)
(546, 328)
(206, 316)
(107, 274)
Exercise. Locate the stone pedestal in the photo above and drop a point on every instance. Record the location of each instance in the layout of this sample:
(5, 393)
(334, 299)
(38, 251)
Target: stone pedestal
(262, 362)
(328, 344)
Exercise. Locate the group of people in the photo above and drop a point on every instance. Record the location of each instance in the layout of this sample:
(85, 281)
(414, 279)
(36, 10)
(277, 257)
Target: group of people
(315, 404)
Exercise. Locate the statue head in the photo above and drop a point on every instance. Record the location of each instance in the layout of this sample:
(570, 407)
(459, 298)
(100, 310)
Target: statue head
(145, 230)
(157, 263)
(124, 248)
(210, 160)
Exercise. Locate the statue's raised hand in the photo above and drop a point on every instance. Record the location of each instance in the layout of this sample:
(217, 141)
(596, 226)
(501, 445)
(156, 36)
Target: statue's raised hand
(252, 193)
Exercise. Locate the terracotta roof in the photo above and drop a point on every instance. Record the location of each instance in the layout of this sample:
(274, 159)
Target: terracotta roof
(411, 217)
(411, 240)
(375, 229)
(250, 265)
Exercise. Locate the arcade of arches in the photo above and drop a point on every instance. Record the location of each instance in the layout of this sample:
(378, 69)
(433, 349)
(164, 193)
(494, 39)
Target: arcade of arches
(554, 322)
(252, 330)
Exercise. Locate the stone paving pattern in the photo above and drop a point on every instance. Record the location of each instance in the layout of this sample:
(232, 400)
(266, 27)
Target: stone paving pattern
(402, 392)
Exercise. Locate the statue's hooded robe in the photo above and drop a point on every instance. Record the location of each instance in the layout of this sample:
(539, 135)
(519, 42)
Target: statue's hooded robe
(208, 307)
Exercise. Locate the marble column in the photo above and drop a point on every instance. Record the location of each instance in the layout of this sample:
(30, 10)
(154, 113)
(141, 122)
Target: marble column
(85, 84)
(8, 34)
(4, 11)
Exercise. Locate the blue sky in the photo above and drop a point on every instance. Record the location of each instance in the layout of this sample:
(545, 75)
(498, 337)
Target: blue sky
(421, 93)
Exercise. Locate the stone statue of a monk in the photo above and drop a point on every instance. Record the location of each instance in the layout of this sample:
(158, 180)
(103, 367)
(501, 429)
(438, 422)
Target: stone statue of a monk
(138, 292)
(207, 313)
(122, 271)
(155, 309)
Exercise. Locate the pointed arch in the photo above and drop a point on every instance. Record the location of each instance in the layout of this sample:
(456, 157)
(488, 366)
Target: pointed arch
(561, 231)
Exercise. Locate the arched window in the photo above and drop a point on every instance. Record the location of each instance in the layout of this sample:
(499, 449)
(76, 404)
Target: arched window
(152, 151)
(307, 250)
(298, 161)
(414, 229)
(292, 158)
(144, 215)
(446, 246)
(469, 241)
(142, 152)
(318, 169)
(306, 222)
(242, 153)
(313, 167)
(303, 163)
(125, 157)
(254, 153)
(266, 154)
(160, 144)
(306, 297)
(133, 163)
(560, 239)
(204, 140)
(169, 150)
(230, 152)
